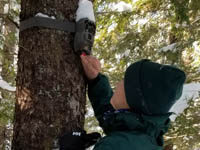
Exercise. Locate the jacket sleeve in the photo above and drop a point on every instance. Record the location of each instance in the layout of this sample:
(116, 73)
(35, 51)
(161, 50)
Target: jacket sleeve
(100, 93)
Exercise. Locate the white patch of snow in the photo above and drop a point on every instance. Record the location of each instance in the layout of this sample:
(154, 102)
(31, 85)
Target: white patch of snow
(133, 22)
(122, 6)
(127, 52)
(196, 46)
(112, 27)
(134, 1)
(189, 91)
(170, 47)
(6, 8)
(195, 125)
(177, 25)
(118, 57)
(85, 10)
(16, 6)
(102, 61)
(6, 86)
(139, 21)
(44, 16)
(142, 21)
(112, 69)
(90, 112)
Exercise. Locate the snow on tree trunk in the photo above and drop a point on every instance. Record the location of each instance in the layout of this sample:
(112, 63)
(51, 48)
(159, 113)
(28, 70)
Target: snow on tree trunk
(50, 95)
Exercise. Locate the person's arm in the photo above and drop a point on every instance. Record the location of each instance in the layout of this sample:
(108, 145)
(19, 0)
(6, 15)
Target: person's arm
(100, 93)
(99, 90)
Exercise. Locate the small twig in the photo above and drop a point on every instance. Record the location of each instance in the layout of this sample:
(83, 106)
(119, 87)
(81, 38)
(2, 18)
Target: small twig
(112, 12)
(12, 21)
(196, 20)
(3, 15)
(26, 49)
(6, 16)
(9, 6)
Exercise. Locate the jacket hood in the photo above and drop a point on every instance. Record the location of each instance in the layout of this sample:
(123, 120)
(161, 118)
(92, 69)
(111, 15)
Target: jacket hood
(152, 88)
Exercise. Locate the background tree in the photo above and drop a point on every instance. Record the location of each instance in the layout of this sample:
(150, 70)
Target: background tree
(50, 95)
(8, 44)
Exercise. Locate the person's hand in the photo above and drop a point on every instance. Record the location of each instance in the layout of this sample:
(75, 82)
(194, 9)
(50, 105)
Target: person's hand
(91, 66)
(78, 140)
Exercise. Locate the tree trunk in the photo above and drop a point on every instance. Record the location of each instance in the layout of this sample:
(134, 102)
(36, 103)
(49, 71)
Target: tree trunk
(50, 96)
(7, 73)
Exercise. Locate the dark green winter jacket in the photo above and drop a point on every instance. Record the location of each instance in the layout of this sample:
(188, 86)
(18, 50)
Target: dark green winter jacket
(125, 130)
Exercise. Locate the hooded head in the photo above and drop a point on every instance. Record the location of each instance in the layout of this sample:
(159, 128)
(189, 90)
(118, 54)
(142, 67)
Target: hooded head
(152, 88)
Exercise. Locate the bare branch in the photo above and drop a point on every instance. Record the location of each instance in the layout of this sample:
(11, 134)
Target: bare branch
(195, 21)
(3, 15)
(7, 17)
(112, 12)
(12, 21)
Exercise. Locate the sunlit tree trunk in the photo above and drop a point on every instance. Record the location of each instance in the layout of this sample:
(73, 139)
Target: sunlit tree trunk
(7, 73)
(50, 96)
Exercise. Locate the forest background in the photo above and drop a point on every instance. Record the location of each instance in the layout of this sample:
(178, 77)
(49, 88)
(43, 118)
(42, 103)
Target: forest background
(166, 31)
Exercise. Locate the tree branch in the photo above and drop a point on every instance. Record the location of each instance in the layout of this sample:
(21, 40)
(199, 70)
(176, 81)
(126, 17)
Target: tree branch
(7, 17)
(196, 20)
(12, 21)
(113, 12)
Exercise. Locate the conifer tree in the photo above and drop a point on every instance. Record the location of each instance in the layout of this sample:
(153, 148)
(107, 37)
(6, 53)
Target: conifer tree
(50, 95)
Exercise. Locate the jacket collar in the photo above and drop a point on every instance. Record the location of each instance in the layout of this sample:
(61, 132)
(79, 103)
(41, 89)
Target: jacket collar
(126, 120)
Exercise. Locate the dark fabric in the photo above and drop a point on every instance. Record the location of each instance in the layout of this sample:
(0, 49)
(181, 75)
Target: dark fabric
(152, 88)
(91, 139)
(78, 140)
(127, 129)
(48, 23)
(100, 93)
(94, 81)
(72, 141)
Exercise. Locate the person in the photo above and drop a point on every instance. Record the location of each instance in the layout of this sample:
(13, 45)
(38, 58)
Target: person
(136, 115)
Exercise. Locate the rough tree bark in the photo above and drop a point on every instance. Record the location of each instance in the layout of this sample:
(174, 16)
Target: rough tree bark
(50, 96)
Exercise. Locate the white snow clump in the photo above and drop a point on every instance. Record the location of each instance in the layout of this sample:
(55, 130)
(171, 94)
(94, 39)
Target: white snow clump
(44, 16)
(85, 10)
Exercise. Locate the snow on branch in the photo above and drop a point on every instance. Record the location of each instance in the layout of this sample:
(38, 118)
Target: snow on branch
(5, 85)
(85, 10)
(122, 6)
(44, 16)
(170, 47)
(189, 91)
